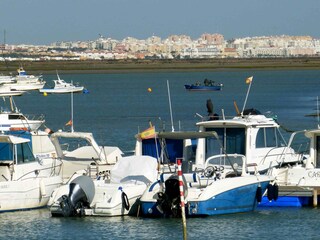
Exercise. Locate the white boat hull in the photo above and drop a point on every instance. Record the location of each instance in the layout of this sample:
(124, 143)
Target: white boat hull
(27, 194)
(71, 90)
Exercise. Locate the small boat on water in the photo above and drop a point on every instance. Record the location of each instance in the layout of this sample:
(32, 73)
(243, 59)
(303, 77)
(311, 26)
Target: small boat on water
(26, 181)
(61, 86)
(13, 119)
(116, 196)
(208, 85)
(25, 82)
(7, 91)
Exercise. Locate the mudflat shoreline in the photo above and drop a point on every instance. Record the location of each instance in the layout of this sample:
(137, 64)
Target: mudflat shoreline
(126, 66)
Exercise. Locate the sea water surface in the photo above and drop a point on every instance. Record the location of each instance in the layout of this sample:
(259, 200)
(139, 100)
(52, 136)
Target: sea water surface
(120, 105)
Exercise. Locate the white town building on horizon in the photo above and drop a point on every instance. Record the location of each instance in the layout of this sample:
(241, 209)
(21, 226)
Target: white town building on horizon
(175, 46)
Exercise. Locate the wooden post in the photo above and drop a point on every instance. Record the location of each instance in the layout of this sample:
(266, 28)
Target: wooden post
(183, 212)
(315, 197)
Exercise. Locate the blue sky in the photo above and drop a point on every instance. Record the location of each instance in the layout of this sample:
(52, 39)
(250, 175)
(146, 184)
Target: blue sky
(47, 21)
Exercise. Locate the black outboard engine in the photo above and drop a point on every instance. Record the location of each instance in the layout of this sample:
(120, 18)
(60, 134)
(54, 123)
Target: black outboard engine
(81, 193)
(169, 201)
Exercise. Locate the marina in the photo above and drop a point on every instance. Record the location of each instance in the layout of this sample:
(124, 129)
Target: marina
(115, 114)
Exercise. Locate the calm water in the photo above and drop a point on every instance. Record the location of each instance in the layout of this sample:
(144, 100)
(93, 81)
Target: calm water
(118, 105)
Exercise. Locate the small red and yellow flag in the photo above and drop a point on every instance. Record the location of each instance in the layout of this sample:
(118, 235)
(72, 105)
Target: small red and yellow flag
(69, 123)
(148, 133)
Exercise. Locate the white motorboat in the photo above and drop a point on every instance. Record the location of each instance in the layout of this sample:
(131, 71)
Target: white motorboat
(61, 86)
(7, 91)
(116, 196)
(25, 82)
(14, 119)
(80, 152)
(299, 183)
(26, 181)
(6, 79)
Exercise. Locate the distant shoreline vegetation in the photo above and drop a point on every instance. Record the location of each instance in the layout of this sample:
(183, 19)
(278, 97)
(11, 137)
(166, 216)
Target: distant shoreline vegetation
(132, 65)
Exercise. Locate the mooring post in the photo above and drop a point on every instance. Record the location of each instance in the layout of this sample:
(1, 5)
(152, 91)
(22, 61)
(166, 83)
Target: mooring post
(315, 197)
(183, 212)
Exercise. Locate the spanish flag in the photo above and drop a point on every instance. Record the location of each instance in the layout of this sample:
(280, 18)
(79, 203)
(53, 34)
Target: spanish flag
(249, 80)
(148, 133)
(69, 123)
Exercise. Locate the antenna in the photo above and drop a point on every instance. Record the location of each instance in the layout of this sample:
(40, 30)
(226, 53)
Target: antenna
(170, 105)
(318, 111)
(3, 48)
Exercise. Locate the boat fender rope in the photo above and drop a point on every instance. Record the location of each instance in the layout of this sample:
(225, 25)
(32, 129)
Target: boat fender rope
(125, 201)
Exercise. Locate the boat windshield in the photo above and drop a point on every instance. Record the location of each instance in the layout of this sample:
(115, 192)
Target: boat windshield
(231, 139)
(24, 153)
(269, 137)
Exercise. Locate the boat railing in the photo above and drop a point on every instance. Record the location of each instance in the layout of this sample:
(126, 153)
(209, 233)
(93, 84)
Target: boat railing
(294, 152)
(35, 117)
(36, 172)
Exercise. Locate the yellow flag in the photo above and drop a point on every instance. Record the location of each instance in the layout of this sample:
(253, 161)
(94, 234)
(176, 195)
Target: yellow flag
(249, 80)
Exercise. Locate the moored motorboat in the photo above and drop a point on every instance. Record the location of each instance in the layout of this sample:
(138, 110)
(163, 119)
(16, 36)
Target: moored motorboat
(25, 82)
(220, 185)
(26, 181)
(61, 86)
(208, 85)
(298, 184)
(116, 196)
(7, 91)
(14, 119)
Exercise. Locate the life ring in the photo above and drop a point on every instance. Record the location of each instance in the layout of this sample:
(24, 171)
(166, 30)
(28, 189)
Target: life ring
(125, 201)
(18, 129)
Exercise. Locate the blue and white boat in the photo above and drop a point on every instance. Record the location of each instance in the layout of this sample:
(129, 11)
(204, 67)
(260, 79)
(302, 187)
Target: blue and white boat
(219, 184)
(208, 85)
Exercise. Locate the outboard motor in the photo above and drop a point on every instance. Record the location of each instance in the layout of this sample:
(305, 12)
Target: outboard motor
(169, 201)
(81, 193)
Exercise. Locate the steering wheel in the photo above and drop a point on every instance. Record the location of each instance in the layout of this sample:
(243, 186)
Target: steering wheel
(209, 171)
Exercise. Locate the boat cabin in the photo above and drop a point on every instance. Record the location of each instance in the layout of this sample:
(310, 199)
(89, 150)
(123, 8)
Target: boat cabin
(13, 151)
(256, 137)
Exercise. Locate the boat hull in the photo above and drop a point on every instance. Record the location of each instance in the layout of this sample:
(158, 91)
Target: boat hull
(203, 88)
(234, 197)
(73, 90)
(27, 194)
(108, 200)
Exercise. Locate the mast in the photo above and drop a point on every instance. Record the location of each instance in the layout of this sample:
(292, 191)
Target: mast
(4, 46)
(72, 130)
(170, 106)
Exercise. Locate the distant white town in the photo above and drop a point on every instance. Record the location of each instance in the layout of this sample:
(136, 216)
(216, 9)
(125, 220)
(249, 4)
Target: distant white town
(173, 47)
